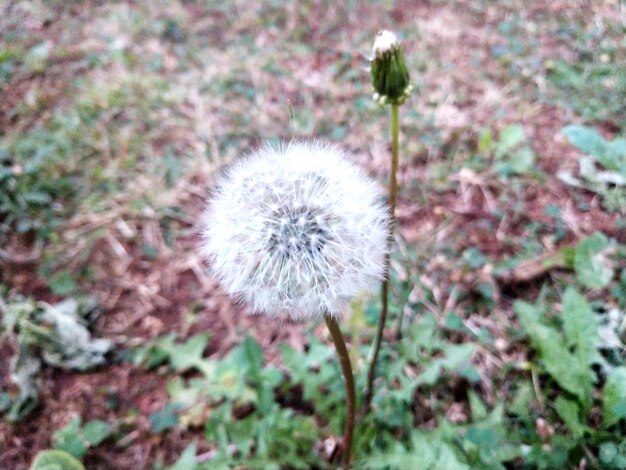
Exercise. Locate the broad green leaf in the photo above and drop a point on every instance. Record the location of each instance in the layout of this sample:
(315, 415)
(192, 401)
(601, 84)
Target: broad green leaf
(272, 376)
(448, 459)
(521, 403)
(427, 445)
(522, 160)
(62, 283)
(471, 373)
(186, 393)
(192, 396)
(430, 375)
(70, 440)
(187, 460)
(564, 368)
(610, 154)
(164, 419)
(569, 412)
(615, 156)
(590, 263)
(612, 456)
(55, 460)
(579, 324)
(456, 355)
(422, 334)
(96, 431)
(37, 197)
(316, 355)
(490, 441)
(454, 322)
(429, 451)
(614, 397)
(186, 355)
(510, 137)
(253, 356)
(586, 139)
(5, 402)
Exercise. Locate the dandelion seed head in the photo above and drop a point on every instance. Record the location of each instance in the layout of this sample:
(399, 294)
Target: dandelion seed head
(296, 231)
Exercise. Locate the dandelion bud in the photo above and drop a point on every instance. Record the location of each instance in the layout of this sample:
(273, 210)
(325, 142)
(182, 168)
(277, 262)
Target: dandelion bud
(296, 231)
(390, 75)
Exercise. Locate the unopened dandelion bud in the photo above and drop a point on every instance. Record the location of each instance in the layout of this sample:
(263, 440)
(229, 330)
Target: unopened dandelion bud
(390, 75)
(296, 231)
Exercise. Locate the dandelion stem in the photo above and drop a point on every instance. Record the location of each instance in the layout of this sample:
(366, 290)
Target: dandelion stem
(395, 133)
(393, 189)
(346, 368)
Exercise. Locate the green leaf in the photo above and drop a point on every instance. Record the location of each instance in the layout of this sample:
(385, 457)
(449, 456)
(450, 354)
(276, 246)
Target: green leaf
(254, 355)
(564, 367)
(521, 403)
(477, 407)
(427, 446)
(471, 373)
(429, 451)
(55, 460)
(585, 139)
(489, 441)
(187, 355)
(474, 258)
(164, 419)
(614, 397)
(37, 198)
(96, 431)
(611, 155)
(430, 375)
(510, 137)
(422, 334)
(449, 459)
(569, 412)
(456, 355)
(187, 460)
(590, 264)
(69, 439)
(454, 323)
(192, 396)
(62, 283)
(615, 156)
(5, 402)
(608, 453)
(522, 161)
(579, 324)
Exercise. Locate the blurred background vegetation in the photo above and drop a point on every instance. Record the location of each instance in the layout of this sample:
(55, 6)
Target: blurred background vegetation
(506, 341)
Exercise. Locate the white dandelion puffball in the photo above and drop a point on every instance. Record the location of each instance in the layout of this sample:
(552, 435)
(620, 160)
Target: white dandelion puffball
(296, 231)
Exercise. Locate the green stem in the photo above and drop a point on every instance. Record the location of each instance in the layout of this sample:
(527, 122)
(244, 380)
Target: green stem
(346, 368)
(395, 137)
(393, 189)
